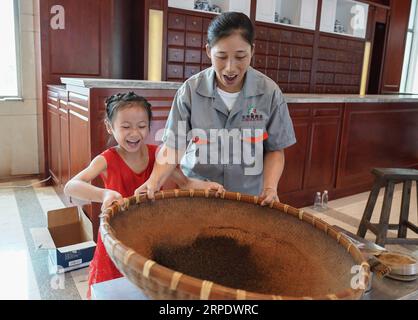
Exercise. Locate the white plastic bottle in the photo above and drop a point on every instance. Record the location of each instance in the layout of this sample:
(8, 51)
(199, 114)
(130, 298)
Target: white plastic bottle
(324, 202)
(317, 201)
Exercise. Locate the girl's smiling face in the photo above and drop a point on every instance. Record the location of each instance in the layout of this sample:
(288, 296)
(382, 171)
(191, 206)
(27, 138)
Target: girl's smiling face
(130, 127)
(231, 56)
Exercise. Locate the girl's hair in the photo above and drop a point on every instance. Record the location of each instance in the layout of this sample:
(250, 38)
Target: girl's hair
(227, 23)
(121, 100)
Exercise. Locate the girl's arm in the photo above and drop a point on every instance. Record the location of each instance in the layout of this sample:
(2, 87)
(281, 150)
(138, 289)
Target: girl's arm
(273, 169)
(164, 166)
(79, 186)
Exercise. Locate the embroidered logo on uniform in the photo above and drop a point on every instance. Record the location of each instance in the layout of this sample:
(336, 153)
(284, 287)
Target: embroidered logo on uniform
(252, 114)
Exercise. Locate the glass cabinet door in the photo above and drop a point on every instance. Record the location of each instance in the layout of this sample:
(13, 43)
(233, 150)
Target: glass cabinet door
(213, 6)
(297, 13)
(345, 17)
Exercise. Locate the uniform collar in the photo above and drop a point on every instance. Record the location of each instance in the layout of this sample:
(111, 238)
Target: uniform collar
(252, 84)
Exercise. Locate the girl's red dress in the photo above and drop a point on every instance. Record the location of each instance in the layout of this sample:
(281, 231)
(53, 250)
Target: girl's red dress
(122, 179)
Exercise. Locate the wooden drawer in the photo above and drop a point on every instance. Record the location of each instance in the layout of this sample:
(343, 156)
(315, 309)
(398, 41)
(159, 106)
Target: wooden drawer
(285, 50)
(308, 39)
(306, 64)
(283, 76)
(272, 62)
(194, 23)
(204, 40)
(175, 55)
(192, 56)
(176, 21)
(297, 37)
(307, 52)
(274, 35)
(175, 38)
(273, 48)
(295, 64)
(305, 77)
(175, 71)
(272, 74)
(294, 76)
(284, 63)
(205, 58)
(319, 78)
(261, 33)
(286, 36)
(193, 40)
(191, 71)
(260, 61)
(297, 51)
(206, 23)
(261, 47)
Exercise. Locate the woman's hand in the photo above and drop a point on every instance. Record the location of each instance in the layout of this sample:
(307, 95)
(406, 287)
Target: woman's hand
(206, 185)
(110, 196)
(269, 195)
(150, 187)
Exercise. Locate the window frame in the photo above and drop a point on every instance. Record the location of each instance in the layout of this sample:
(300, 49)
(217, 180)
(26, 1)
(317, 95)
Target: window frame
(408, 49)
(16, 11)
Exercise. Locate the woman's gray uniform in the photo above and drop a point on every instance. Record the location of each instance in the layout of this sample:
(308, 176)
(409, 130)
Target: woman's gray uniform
(197, 105)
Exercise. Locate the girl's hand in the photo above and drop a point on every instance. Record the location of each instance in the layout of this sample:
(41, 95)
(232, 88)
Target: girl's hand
(269, 195)
(150, 187)
(206, 185)
(111, 196)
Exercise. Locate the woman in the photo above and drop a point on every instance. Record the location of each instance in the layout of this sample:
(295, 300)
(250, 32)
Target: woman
(229, 100)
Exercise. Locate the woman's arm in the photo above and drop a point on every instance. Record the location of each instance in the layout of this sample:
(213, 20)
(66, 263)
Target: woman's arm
(79, 186)
(273, 169)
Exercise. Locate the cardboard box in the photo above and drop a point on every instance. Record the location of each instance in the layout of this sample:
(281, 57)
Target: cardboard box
(68, 239)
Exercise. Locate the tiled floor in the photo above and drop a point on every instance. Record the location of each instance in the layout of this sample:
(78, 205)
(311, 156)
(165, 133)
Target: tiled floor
(23, 271)
(23, 268)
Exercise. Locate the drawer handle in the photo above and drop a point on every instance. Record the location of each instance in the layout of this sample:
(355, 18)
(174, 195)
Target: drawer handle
(193, 39)
(194, 23)
(177, 20)
(175, 70)
(176, 37)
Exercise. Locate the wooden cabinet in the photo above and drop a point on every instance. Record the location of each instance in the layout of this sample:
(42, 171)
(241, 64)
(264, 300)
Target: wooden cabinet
(283, 55)
(186, 41)
(312, 162)
(99, 39)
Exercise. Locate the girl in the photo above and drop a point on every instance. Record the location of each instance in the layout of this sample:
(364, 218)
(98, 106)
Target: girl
(233, 97)
(123, 168)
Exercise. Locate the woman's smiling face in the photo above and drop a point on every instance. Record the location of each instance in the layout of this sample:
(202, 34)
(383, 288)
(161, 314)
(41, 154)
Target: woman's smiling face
(231, 57)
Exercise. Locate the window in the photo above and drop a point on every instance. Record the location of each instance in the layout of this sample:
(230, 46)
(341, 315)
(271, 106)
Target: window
(409, 82)
(9, 62)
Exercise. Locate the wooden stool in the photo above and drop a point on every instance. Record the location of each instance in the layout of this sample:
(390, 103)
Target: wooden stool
(388, 178)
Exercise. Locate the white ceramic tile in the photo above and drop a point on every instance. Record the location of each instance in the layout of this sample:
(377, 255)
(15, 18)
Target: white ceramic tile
(80, 278)
(26, 107)
(26, 22)
(23, 137)
(28, 65)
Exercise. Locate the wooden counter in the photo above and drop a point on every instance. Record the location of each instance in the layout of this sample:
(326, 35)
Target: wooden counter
(340, 137)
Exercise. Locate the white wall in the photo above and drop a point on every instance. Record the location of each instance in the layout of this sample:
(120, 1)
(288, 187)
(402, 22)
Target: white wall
(18, 119)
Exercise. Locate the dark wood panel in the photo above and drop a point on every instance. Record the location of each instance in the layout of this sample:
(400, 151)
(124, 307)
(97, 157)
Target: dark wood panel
(395, 47)
(67, 56)
(292, 177)
(323, 154)
(79, 142)
(377, 135)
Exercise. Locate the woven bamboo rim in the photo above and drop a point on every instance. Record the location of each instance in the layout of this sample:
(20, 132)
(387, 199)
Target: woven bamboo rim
(204, 289)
